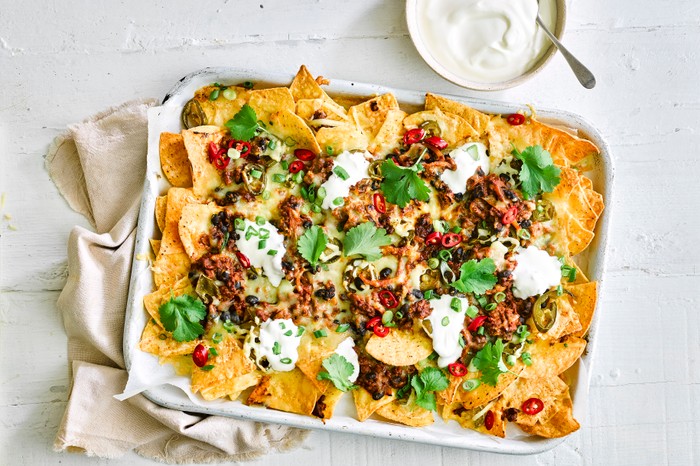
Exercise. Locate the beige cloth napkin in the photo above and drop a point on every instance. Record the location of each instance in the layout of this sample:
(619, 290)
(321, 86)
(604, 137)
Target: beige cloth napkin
(99, 167)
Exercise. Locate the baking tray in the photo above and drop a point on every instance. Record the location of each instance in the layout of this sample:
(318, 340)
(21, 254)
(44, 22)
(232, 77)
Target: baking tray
(440, 433)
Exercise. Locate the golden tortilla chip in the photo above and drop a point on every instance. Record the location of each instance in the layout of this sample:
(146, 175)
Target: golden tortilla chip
(585, 296)
(153, 301)
(477, 120)
(156, 340)
(320, 109)
(174, 161)
(304, 86)
(546, 389)
(474, 418)
(232, 373)
(567, 320)
(559, 425)
(218, 112)
(369, 116)
(194, 227)
(552, 357)
(366, 405)
(168, 269)
(178, 198)
(390, 134)
(341, 138)
(286, 391)
(453, 128)
(155, 246)
(400, 347)
(485, 392)
(293, 131)
(265, 102)
(326, 403)
(205, 176)
(413, 416)
(161, 208)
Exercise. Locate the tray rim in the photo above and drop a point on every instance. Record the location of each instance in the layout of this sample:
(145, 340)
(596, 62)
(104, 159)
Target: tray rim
(389, 430)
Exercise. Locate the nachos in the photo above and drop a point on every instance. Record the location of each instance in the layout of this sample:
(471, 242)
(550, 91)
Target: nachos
(419, 263)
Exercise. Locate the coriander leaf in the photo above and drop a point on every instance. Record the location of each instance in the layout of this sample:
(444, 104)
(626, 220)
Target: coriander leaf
(365, 239)
(312, 244)
(338, 371)
(430, 379)
(476, 277)
(243, 124)
(538, 172)
(489, 360)
(181, 316)
(401, 184)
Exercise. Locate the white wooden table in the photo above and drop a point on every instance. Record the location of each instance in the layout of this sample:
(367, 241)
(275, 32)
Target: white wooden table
(62, 61)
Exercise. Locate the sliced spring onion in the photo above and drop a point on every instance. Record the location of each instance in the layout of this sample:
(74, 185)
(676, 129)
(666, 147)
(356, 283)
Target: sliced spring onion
(341, 172)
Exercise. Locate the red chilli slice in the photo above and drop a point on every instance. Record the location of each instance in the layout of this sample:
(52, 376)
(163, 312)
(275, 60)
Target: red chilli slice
(243, 259)
(241, 146)
(451, 240)
(200, 355)
(489, 420)
(304, 154)
(510, 215)
(296, 166)
(381, 331)
(379, 203)
(437, 142)
(476, 323)
(515, 119)
(388, 299)
(457, 369)
(413, 136)
(371, 323)
(532, 406)
(434, 238)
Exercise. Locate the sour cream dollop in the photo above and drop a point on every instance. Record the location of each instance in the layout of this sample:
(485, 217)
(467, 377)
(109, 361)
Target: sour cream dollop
(535, 273)
(468, 158)
(485, 40)
(345, 349)
(447, 325)
(279, 344)
(353, 168)
(249, 245)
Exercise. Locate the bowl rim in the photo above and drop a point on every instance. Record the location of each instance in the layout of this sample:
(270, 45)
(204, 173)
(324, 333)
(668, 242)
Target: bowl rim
(418, 43)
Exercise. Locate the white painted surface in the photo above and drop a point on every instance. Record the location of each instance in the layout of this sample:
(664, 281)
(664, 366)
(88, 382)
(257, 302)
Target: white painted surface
(62, 61)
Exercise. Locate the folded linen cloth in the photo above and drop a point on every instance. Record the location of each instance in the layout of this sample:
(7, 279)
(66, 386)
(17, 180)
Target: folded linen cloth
(99, 167)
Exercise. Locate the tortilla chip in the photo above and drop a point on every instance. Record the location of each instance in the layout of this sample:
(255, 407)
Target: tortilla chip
(205, 176)
(567, 321)
(174, 161)
(326, 403)
(304, 86)
(286, 391)
(177, 199)
(552, 357)
(155, 246)
(309, 108)
(218, 112)
(485, 392)
(153, 301)
(390, 134)
(400, 347)
(477, 120)
(559, 425)
(369, 116)
(413, 416)
(473, 418)
(341, 138)
(265, 102)
(546, 389)
(194, 227)
(161, 208)
(292, 130)
(168, 269)
(453, 128)
(232, 373)
(366, 405)
(156, 340)
(585, 296)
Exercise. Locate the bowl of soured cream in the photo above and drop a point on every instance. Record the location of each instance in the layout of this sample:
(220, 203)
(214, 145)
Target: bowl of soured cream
(484, 45)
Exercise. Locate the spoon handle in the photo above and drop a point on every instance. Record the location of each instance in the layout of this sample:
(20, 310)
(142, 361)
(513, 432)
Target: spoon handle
(583, 74)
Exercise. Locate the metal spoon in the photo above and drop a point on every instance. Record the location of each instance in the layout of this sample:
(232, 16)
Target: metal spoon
(583, 74)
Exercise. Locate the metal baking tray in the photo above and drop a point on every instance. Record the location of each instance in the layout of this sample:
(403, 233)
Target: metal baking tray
(440, 433)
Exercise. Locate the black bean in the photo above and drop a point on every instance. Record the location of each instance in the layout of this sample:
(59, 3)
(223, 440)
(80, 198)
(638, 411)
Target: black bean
(511, 414)
(377, 396)
(371, 376)
(459, 196)
(418, 294)
(286, 265)
(237, 285)
(359, 284)
(307, 224)
(511, 195)
(526, 224)
(252, 276)
(385, 272)
(376, 184)
(223, 275)
(252, 299)
(224, 316)
(505, 274)
(458, 254)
